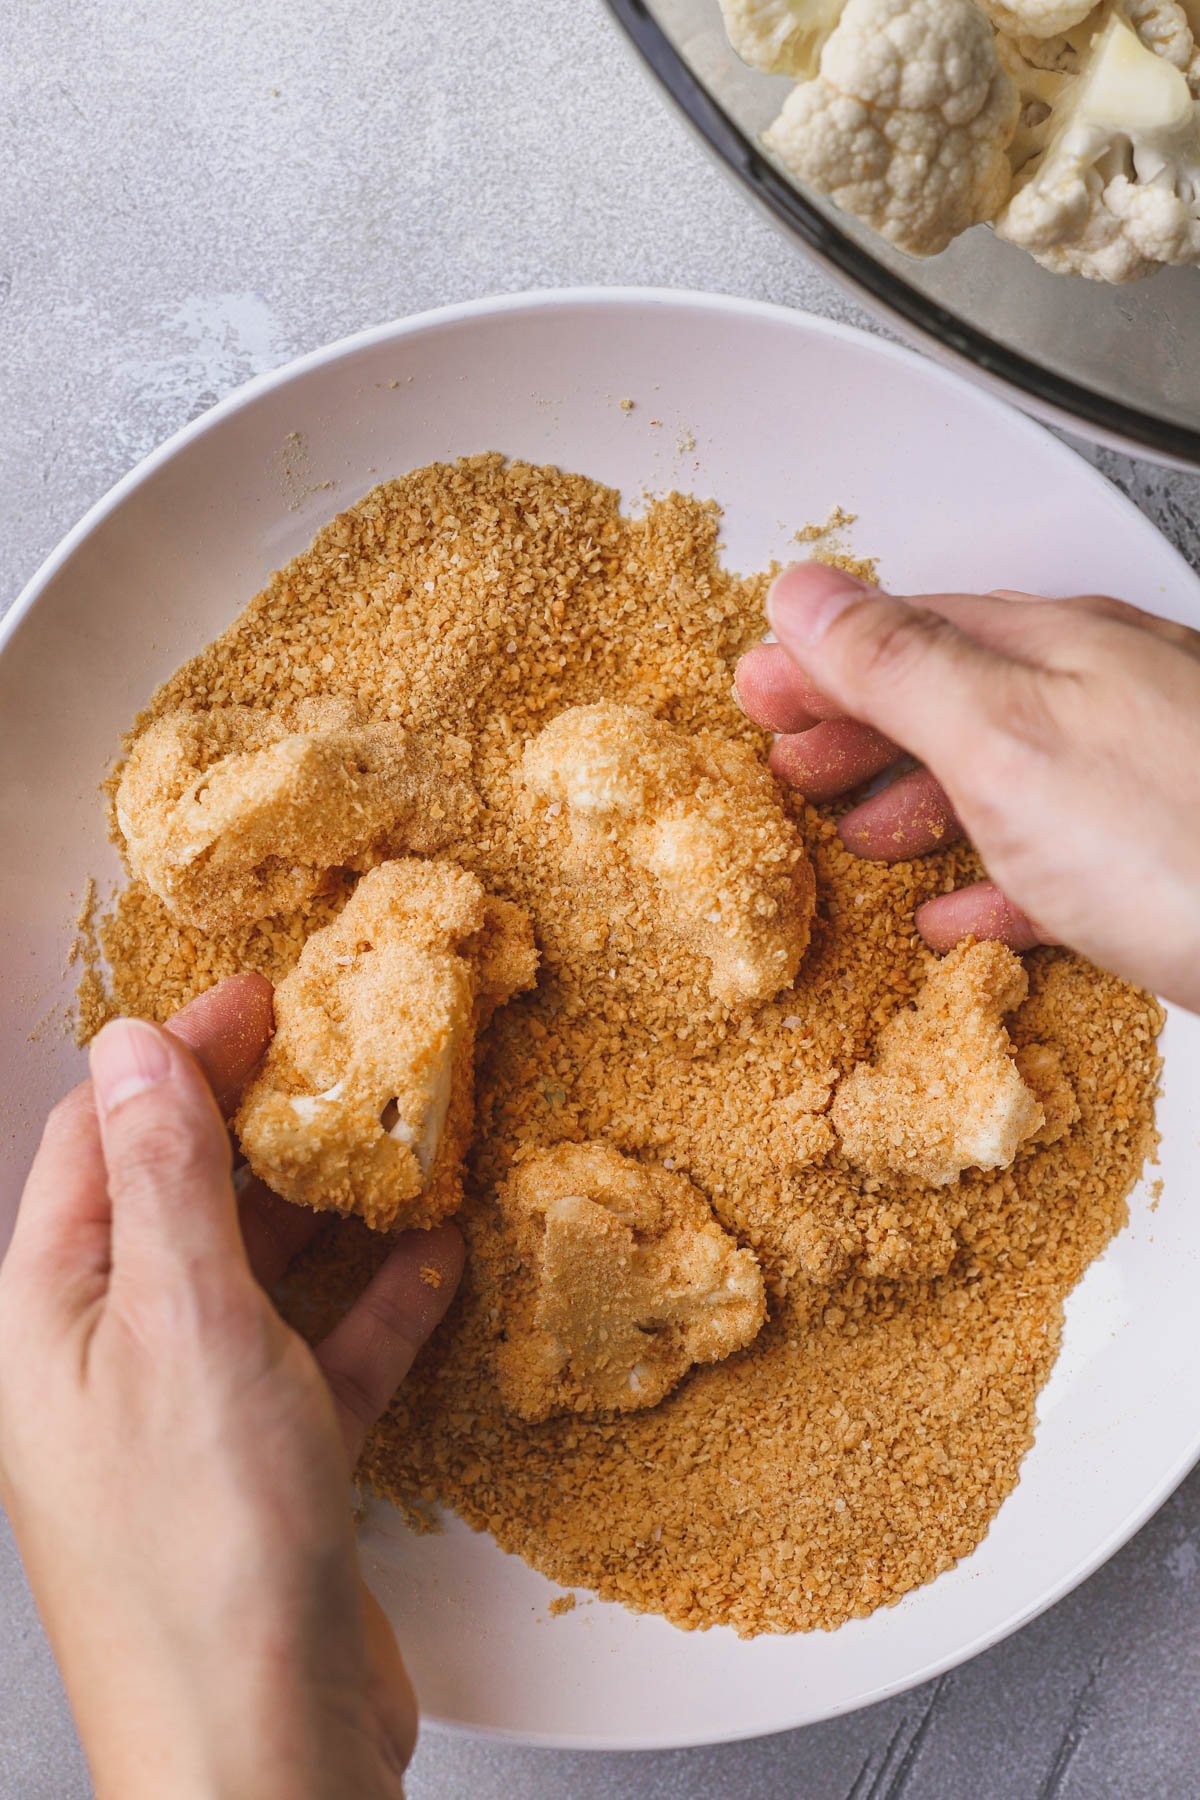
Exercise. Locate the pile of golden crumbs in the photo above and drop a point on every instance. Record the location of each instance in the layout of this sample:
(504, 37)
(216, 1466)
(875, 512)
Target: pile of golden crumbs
(866, 1438)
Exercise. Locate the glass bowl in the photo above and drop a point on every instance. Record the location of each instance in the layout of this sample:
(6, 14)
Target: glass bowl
(1121, 365)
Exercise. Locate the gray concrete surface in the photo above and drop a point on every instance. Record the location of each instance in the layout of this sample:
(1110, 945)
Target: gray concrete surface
(192, 194)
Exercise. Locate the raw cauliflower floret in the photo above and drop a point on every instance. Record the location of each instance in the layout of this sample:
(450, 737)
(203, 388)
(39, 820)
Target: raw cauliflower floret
(907, 124)
(364, 1101)
(237, 814)
(1108, 155)
(945, 1092)
(702, 818)
(1036, 18)
(619, 1280)
(1166, 27)
(905, 109)
(784, 37)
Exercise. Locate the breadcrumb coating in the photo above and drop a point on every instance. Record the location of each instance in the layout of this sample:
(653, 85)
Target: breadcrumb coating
(944, 1093)
(364, 1102)
(1040, 1068)
(616, 1279)
(237, 813)
(702, 818)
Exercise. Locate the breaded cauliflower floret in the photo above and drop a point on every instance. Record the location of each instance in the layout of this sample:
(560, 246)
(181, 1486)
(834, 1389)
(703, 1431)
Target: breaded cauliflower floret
(1040, 1068)
(907, 123)
(236, 814)
(702, 818)
(621, 1280)
(364, 1102)
(945, 1093)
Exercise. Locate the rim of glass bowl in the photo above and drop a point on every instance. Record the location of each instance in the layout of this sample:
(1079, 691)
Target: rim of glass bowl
(830, 246)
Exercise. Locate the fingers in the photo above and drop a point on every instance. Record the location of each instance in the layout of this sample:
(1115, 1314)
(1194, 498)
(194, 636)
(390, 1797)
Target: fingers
(981, 911)
(65, 1211)
(389, 1690)
(777, 693)
(846, 649)
(1101, 606)
(908, 818)
(1120, 612)
(62, 1228)
(781, 695)
(273, 1230)
(773, 691)
(368, 1353)
(227, 1030)
(831, 757)
(1022, 633)
(167, 1156)
(900, 668)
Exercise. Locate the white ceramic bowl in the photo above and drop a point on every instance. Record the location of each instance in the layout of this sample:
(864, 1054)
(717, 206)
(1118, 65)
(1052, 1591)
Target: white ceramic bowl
(781, 417)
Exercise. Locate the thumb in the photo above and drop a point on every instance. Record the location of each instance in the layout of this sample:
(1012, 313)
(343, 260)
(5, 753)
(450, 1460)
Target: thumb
(166, 1153)
(906, 670)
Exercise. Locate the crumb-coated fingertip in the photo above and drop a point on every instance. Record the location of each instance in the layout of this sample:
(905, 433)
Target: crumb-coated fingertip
(227, 1028)
(831, 758)
(909, 817)
(981, 911)
(423, 1271)
(249, 981)
(254, 998)
(440, 1252)
(771, 690)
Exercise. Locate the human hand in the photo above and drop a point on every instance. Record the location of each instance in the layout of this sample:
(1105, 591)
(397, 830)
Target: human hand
(1062, 737)
(175, 1460)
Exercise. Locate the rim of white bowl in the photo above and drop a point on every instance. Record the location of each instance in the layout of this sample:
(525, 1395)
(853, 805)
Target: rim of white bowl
(694, 300)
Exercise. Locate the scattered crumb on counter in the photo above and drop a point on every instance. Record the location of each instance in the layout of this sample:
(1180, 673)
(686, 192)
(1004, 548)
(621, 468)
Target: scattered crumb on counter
(563, 1603)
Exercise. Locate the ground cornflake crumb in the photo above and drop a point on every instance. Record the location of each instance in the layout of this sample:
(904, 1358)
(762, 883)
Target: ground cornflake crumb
(431, 1276)
(865, 1439)
(627, 405)
(561, 1604)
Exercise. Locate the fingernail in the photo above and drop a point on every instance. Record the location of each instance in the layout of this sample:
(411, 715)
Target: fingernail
(804, 601)
(127, 1057)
